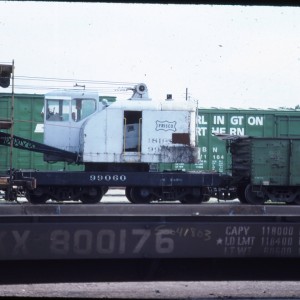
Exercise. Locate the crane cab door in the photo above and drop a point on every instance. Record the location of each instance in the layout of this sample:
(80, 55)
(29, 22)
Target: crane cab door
(64, 117)
(57, 123)
(132, 131)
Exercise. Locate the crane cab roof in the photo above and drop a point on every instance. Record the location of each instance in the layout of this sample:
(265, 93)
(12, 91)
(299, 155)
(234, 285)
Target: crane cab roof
(71, 94)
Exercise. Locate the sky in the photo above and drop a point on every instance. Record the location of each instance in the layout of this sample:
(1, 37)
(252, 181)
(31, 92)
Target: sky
(214, 55)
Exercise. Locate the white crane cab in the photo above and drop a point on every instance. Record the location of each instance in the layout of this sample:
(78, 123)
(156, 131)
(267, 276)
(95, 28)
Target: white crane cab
(64, 113)
(137, 130)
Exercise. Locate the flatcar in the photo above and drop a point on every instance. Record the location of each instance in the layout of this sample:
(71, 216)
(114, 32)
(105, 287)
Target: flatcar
(119, 145)
(132, 143)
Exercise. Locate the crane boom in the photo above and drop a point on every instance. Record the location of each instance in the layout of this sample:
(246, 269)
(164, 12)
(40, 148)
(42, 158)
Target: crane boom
(26, 144)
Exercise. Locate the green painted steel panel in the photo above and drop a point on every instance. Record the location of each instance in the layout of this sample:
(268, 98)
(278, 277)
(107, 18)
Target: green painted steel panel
(288, 125)
(295, 163)
(260, 123)
(270, 162)
(109, 99)
(275, 162)
(28, 123)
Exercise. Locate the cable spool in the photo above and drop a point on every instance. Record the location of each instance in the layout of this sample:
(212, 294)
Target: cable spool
(141, 88)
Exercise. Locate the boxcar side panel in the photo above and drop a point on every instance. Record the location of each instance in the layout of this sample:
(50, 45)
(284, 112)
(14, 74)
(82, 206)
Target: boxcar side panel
(295, 163)
(270, 162)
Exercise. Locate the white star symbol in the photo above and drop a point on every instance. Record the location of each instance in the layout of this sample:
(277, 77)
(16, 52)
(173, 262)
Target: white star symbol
(219, 241)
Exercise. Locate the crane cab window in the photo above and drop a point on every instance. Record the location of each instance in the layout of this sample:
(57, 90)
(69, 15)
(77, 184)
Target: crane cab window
(82, 108)
(57, 110)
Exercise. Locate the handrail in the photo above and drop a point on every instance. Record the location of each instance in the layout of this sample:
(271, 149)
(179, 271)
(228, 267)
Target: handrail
(124, 136)
(140, 136)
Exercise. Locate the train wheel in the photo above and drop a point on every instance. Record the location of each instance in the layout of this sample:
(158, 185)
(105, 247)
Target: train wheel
(296, 201)
(104, 190)
(37, 196)
(205, 199)
(91, 196)
(141, 195)
(240, 191)
(195, 196)
(252, 197)
(128, 194)
(190, 199)
(206, 193)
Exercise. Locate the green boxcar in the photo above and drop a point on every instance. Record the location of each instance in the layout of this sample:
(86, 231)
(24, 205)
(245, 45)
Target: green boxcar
(266, 169)
(254, 122)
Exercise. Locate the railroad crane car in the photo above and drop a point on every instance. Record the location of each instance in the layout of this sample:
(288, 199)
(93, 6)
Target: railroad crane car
(119, 144)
